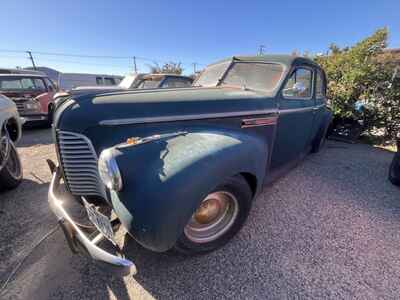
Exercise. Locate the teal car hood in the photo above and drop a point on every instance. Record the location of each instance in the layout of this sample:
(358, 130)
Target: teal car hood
(82, 112)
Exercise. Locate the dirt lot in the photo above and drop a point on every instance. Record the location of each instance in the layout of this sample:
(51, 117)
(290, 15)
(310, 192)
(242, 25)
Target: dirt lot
(328, 229)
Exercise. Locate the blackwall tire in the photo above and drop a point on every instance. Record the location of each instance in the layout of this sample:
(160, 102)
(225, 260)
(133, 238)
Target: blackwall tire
(11, 174)
(320, 142)
(195, 238)
(50, 116)
(394, 170)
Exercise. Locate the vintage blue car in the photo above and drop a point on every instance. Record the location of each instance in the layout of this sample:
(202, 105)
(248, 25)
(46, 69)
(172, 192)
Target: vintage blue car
(181, 167)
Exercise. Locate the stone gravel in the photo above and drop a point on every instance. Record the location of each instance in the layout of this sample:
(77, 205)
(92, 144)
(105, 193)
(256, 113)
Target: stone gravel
(330, 228)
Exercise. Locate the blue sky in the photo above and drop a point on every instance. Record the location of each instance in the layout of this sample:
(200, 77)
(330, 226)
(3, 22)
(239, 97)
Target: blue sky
(186, 31)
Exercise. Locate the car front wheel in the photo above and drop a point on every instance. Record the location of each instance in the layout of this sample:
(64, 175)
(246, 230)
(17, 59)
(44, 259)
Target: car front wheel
(11, 173)
(220, 215)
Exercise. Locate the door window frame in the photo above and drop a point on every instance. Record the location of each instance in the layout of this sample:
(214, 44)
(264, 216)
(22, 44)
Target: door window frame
(320, 73)
(312, 94)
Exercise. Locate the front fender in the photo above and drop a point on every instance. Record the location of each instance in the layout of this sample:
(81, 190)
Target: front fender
(165, 180)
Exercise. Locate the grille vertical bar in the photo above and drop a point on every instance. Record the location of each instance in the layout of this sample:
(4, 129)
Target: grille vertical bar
(79, 163)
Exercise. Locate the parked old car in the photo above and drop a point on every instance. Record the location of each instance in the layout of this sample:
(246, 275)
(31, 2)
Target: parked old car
(133, 81)
(32, 93)
(394, 169)
(68, 81)
(10, 133)
(181, 167)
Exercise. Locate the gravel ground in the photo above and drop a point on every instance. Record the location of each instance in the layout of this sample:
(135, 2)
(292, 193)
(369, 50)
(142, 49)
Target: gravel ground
(329, 229)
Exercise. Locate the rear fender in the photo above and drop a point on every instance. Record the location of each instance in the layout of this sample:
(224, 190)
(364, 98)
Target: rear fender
(165, 180)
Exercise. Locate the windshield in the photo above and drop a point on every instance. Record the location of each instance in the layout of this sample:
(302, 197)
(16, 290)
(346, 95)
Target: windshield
(149, 83)
(21, 83)
(127, 82)
(249, 75)
(211, 75)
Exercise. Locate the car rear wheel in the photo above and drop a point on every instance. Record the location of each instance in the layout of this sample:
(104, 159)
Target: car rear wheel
(220, 215)
(11, 173)
(394, 170)
(319, 143)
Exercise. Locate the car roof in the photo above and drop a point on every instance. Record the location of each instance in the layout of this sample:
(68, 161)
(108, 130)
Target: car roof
(146, 76)
(284, 59)
(23, 75)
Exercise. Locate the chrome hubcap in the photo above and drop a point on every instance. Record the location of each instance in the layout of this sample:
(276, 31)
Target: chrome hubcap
(215, 215)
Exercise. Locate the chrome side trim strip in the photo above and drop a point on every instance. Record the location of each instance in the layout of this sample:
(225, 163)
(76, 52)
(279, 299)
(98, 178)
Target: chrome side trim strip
(247, 123)
(298, 110)
(114, 122)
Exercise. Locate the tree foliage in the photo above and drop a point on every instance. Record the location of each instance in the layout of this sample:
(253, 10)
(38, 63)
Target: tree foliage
(167, 68)
(364, 72)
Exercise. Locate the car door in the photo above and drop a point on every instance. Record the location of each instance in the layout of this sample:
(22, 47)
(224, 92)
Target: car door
(296, 104)
(320, 102)
(44, 96)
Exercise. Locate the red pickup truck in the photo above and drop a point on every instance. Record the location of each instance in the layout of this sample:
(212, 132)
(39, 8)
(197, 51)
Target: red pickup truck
(32, 93)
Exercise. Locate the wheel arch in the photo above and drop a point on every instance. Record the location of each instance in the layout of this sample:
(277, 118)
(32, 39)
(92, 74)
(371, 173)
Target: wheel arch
(171, 178)
(251, 180)
(13, 128)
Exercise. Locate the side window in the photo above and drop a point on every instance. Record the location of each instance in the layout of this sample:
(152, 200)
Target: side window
(320, 89)
(99, 81)
(39, 84)
(50, 85)
(109, 81)
(299, 84)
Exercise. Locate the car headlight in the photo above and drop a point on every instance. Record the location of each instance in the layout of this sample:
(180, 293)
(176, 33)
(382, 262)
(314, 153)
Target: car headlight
(109, 171)
(33, 105)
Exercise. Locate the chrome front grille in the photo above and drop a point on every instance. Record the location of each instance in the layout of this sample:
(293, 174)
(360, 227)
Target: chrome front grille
(79, 163)
(20, 105)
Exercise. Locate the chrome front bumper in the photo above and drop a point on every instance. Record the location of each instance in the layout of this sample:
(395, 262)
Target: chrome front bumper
(77, 239)
(34, 117)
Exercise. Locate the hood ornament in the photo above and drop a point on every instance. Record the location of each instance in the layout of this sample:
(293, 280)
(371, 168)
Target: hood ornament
(135, 141)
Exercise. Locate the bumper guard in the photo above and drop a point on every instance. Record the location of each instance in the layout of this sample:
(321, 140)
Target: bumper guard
(76, 237)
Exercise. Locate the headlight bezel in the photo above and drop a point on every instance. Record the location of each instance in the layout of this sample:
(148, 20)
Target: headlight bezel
(33, 105)
(109, 171)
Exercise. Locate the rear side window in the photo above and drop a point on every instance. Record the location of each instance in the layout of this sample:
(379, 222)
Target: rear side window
(99, 81)
(320, 89)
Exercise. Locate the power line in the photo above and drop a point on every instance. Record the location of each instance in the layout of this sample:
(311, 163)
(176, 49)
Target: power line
(12, 51)
(84, 63)
(81, 55)
(135, 58)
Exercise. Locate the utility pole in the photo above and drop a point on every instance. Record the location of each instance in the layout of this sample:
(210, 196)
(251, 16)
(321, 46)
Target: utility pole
(134, 64)
(31, 58)
(261, 50)
(194, 67)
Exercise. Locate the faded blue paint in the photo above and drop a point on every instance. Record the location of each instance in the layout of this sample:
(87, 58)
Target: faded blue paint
(165, 180)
